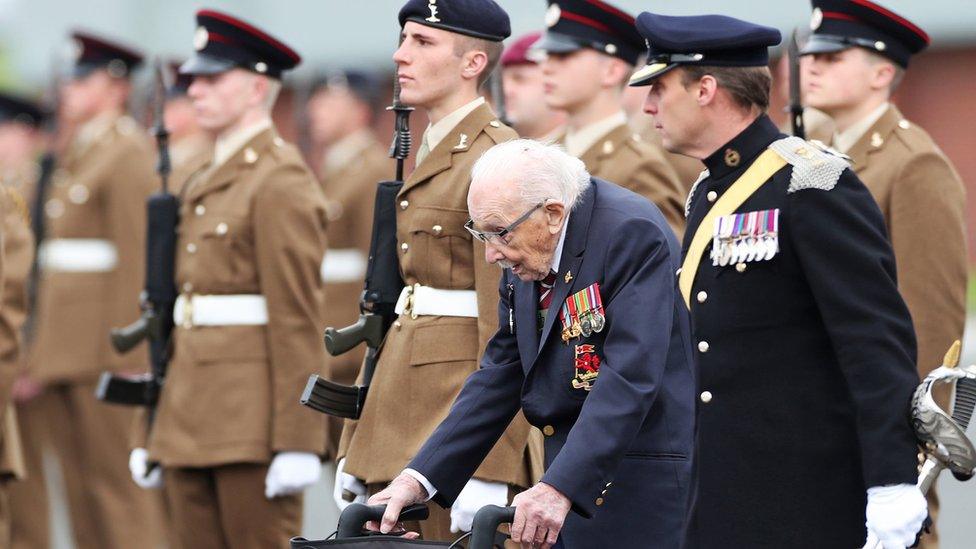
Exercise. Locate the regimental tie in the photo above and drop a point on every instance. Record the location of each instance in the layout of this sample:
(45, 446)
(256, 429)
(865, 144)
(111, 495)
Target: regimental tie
(545, 297)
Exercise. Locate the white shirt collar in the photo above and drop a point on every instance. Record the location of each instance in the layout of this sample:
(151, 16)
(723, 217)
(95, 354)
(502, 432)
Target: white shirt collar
(846, 139)
(228, 145)
(435, 133)
(580, 140)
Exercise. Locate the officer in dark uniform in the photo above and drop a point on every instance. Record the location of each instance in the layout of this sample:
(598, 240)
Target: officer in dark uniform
(805, 348)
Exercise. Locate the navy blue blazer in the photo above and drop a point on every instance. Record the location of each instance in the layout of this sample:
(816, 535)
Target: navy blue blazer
(621, 451)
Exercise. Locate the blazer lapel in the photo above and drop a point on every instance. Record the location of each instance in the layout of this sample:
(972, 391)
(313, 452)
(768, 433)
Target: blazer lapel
(229, 171)
(526, 325)
(568, 276)
(874, 139)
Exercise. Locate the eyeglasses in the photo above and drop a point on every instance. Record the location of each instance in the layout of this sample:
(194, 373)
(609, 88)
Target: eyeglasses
(487, 236)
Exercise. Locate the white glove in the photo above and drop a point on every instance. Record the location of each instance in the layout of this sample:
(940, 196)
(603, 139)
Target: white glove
(290, 473)
(475, 495)
(347, 483)
(895, 515)
(139, 468)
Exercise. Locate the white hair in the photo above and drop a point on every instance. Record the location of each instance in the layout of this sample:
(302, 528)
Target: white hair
(541, 171)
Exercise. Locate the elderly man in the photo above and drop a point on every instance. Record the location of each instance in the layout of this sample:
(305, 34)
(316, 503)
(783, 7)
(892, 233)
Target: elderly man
(805, 349)
(593, 346)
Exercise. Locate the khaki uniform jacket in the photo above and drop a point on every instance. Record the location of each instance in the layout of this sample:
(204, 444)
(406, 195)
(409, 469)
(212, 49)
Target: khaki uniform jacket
(425, 361)
(350, 190)
(923, 201)
(253, 225)
(17, 254)
(624, 158)
(98, 192)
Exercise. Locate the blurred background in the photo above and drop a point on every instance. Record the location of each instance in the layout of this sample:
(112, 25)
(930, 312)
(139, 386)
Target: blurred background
(937, 94)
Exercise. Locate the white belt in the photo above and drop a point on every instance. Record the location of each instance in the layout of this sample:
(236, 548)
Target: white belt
(77, 255)
(420, 300)
(343, 265)
(220, 310)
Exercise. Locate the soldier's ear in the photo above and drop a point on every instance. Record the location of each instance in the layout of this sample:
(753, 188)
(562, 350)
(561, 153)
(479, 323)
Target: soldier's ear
(706, 89)
(475, 62)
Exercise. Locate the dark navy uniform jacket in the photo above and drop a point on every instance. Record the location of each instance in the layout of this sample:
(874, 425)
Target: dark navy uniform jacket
(622, 451)
(806, 362)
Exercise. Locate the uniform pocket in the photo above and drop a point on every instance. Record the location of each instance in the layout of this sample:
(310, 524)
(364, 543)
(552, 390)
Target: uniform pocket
(226, 344)
(228, 249)
(440, 342)
(438, 236)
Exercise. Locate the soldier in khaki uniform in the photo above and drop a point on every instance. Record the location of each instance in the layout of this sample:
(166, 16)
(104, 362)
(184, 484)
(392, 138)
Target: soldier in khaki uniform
(189, 144)
(235, 447)
(91, 264)
(449, 309)
(859, 52)
(340, 113)
(19, 146)
(591, 49)
(525, 103)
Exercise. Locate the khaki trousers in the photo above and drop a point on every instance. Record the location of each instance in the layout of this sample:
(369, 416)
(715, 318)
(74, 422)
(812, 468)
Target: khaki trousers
(224, 507)
(90, 441)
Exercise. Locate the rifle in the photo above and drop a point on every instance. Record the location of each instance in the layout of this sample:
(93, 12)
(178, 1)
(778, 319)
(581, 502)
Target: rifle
(380, 294)
(942, 433)
(47, 165)
(796, 103)
(159, 296)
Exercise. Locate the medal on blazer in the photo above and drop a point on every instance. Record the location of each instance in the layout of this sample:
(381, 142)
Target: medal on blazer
(582, 313)
(745, 237)
(586, 365)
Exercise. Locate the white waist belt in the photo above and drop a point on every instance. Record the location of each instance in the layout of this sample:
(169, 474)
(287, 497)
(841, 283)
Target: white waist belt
(420, 300)
(77, 255)
(220, 310)
(343, 265)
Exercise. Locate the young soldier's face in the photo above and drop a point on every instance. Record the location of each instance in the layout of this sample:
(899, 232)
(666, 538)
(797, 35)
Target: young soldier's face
(834, 82)
(220, 100)
(85, 98)
(524, 96)
(675, 110)
(429, 67)
(572, 80)
(18, 144)
(334, 113)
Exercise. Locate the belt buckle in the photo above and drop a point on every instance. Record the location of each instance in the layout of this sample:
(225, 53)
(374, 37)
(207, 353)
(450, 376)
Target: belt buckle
(408, 308)
(186, 320)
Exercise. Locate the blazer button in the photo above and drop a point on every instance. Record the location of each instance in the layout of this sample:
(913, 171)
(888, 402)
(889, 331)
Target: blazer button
(706, 396)
(397, 325)
(187, 287)
(404, 204)
(741, 267)
(599, 501)
(438, 229)
(200, 209)
(712, 196)
(702, 296)
(404, 247)
(191, 248)
(548, 430)
(678, 272)
(703, 346)
(221, 228)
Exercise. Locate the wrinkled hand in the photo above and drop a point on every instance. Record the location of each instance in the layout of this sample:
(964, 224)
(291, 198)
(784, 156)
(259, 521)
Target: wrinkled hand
(26, 388)
(402, 492)
(895, 515)
(344, 482)
(290, 473)
(540, 513)
(475, 495)
(139, 469)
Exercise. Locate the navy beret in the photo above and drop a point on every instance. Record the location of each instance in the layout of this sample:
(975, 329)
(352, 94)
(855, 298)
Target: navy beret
(478, 18)
(223, 42)
(19, 109)
(842, 24)
(708, 40)
(577, 24)
(92, 52)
